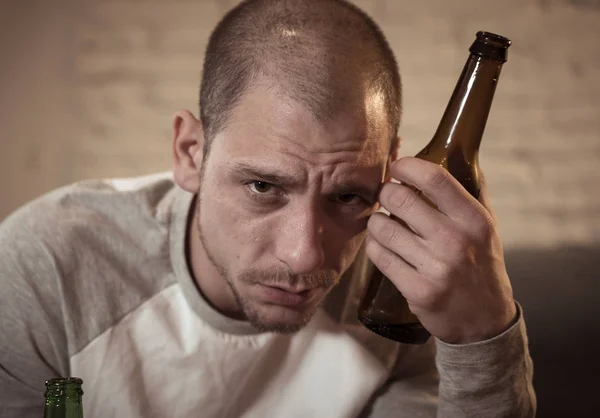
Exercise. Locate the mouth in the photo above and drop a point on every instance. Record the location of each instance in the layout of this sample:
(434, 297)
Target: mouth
(278, 295)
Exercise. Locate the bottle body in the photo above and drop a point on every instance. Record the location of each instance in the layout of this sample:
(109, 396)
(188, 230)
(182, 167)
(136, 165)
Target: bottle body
(455, 146)
(385, 311)
(64, 398)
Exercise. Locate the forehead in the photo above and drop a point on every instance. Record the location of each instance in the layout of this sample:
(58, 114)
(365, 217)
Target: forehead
(267, 121)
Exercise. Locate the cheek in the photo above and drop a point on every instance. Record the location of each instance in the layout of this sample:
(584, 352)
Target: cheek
(344, 244)
(236, 237)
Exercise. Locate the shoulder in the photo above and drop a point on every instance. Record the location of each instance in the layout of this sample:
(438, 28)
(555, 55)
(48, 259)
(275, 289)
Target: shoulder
(99, 241)
(58, 218)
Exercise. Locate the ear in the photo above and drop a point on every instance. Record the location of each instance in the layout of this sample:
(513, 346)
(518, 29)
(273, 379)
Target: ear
(391, 158)
(188, 144)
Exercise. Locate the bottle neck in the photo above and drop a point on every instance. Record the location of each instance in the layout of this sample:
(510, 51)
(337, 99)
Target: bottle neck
(465, 116)
(64, 398)
(64, 410)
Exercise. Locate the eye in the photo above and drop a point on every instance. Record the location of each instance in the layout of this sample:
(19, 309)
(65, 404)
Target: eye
(263, 193)
(260, 187)
(350, 199)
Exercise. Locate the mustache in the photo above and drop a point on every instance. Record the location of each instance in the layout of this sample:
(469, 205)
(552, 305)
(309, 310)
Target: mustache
(276, 276)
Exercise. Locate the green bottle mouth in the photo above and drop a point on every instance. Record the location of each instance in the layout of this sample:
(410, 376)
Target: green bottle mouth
(58, 381)
(63, 389)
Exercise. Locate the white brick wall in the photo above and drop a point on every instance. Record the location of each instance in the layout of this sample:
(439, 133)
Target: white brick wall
(91, 88)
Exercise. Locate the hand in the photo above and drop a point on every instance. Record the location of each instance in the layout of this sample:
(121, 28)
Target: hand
(447, 262)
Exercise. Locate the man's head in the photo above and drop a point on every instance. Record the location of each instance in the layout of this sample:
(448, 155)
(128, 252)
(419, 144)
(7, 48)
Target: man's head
(300, 105)
(322, 54)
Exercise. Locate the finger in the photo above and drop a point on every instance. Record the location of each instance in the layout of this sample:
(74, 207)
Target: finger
(398, 238)
(438, 185)
(401, 273)
(411, 208)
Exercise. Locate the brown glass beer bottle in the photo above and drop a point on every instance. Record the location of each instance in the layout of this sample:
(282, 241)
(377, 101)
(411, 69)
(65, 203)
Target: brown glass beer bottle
(455, 146)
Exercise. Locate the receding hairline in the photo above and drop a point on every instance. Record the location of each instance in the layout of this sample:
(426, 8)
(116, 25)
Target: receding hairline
(302, 50)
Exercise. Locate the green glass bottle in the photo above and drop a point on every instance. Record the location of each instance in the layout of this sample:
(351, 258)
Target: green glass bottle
(64, 398)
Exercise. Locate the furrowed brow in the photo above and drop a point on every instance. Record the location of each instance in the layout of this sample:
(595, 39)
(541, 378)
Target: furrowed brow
(268, 175)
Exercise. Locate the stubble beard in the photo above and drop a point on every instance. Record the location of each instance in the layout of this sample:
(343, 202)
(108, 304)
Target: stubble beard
(326, 280)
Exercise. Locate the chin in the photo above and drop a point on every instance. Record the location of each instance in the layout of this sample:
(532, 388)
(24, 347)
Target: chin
(279, 319)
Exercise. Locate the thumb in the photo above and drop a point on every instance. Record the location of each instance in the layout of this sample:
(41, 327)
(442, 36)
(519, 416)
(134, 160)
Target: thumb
(484, 197)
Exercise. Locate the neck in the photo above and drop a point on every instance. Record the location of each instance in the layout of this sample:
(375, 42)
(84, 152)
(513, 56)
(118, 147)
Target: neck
(211, 283)
(466, 115)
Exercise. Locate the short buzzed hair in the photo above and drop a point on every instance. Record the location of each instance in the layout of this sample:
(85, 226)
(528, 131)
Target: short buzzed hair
(311, 48)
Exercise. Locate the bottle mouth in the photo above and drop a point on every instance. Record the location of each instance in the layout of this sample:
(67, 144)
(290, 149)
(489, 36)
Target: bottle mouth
(493, 39)
(64, 382)
(63, 389)
(491, 46)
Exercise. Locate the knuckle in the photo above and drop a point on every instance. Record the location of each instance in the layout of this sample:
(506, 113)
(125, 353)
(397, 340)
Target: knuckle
(371, 247)
(372, 223)
(462, 254)
(443, 272)
(454, 242)
(483, 226)
(402, 200)
(375, 224)
(391, 236)
(384, 261)
(398, 166)
(459, 243)
(437, 177)
(430, 297)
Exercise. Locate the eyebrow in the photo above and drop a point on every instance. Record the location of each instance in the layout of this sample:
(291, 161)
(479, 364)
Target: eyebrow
(279, 178)
(263, 174)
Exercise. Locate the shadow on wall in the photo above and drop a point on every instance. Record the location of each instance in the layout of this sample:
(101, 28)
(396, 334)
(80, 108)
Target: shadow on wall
(559, 290)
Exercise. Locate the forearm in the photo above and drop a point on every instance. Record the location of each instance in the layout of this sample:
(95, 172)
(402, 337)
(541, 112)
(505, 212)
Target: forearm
(491, 379)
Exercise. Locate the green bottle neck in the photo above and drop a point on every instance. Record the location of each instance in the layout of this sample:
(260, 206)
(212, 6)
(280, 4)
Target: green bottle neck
(64, 398)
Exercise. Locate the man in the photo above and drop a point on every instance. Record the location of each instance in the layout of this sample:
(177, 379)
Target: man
(213, 293)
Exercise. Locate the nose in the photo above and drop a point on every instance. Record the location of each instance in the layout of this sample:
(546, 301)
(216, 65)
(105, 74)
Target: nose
(300, 243)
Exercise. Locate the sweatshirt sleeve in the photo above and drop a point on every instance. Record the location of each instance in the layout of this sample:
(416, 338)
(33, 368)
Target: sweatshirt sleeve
(491, 379)
(32, 341)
